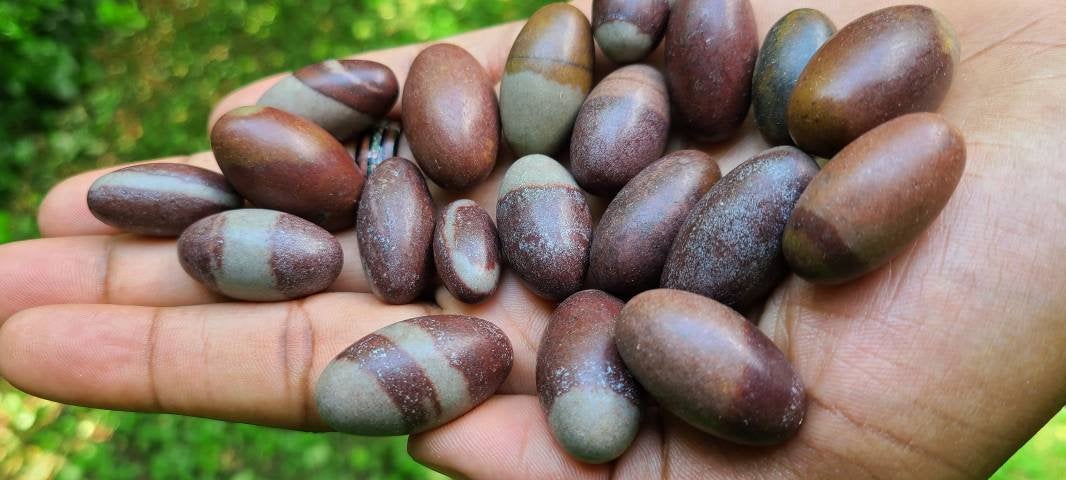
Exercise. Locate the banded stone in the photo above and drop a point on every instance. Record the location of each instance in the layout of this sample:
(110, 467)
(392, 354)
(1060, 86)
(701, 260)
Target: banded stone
(345, 97)
(544, 225)
(628, 30)
(159, 199)
(466, 251)
(260, 255)
(711, 367)
(591, 400)
(546, 78)
(729, 248)
(413, 375)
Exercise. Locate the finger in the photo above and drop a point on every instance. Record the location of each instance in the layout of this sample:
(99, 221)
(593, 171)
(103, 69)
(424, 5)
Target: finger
(122, 269)
(507, 436)
(64, 211)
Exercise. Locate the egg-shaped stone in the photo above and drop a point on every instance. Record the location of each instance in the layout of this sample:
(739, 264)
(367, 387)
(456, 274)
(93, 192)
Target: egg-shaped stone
(711, 367)
(260, 255)
(788, 47)
(413, 375)
(395, 231)
(344, 97)
(546, 78)
(544, 225)
(888, 63)
(284, 162)
(159, 199)
(592, 401)
(466, 250)
(628, 30)
(874, 198)
(729, 248)
(711, 47)
(621, 128)
(633, 238)
(451, 117)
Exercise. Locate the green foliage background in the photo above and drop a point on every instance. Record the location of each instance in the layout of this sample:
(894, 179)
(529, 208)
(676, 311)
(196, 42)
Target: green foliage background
(89, 83)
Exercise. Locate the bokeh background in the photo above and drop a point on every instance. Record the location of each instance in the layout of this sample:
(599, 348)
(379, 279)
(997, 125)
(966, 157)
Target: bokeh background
(91, 83)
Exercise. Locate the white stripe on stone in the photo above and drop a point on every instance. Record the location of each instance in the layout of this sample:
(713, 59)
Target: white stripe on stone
(246, 250)
(474, 275)
(166, 184)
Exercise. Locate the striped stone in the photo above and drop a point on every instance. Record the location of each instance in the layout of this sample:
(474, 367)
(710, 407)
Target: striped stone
(628, 30)
(466, 251)
(260, 255)
(159, 199)
(344, 97)
(413, 375)
(591, 400)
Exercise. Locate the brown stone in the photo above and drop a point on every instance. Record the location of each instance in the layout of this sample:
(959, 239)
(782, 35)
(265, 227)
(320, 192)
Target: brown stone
(466, 251)
(628, 30)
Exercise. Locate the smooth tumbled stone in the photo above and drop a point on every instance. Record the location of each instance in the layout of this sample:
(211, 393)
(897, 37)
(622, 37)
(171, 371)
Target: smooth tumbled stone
(159, 199)
(888, 63)
(260, 255)
(621, 128)
(544, 225)
(711, 367)
(729, 248)
(413, 376)
(591, 400)
(344, 97)
(395, 230)
(466, 250)
(451, 117)
(377, 145)
(285, 162)
(628, 30)
(711, 47)
(874, 198)
(632, 240)
(788, 47)
(546, 78)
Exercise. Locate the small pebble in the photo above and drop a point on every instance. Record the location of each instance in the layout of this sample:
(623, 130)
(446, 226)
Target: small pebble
(413, 375)
(466, 251)
(159, 199)
(395, 231)
(628, 30)
(591, 400)
(711, 367)
(544, 225)
(874, 198)
(260, 255)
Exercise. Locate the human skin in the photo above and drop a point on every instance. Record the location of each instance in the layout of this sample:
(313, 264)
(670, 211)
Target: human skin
(938, 365)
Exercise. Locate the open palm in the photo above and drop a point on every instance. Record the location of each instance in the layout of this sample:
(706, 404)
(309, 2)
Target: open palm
(938, 365)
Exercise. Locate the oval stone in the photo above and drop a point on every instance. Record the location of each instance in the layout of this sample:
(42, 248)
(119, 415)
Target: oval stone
(632, 240)
(284, 162)
(395, 231)
(547, 76)
(729, 248)
(711, 367)
(377, 145)
(451, 118)
(621, 128)
(628, 30)
(466, 251)
(344, 97)
(544, 224)
(159, 199)
(888, 63)
(260, 255)
(788, 47)
(591, 400)
(413, 375)
(711, 47)
(874, 198)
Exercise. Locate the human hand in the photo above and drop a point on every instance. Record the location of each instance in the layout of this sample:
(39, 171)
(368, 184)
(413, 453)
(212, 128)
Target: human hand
(940, 364)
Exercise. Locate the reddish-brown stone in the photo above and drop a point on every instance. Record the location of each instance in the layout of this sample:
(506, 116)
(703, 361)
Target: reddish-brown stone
(888, 63)
(628, 30)
(466, 251)
(711, 367)
(711, 47)
(395, 231)
(633, 238)
(874, 198)
(451, 117)
(284, 162)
